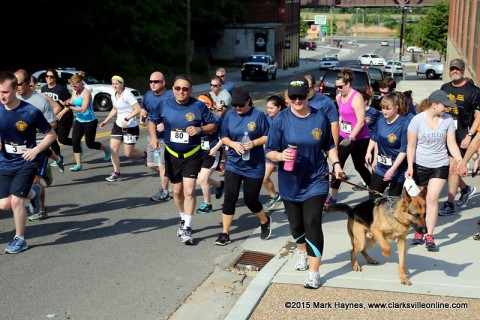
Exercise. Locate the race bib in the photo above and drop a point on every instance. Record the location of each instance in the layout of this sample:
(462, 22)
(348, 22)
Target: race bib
(205, 145)
(179, 136)
(15, 148)
(385, 160)
(346, 127)
(129, 138)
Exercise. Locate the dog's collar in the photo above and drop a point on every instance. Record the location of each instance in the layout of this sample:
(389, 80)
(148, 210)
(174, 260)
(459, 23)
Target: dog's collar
(392, 201)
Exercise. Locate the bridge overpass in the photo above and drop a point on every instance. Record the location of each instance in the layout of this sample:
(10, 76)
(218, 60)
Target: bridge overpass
(366, 3)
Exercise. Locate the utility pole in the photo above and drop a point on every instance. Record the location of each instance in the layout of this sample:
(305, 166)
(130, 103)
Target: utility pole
(188, 44)
(356, 27)
(402, 33)
(363, 23)
(331, 27)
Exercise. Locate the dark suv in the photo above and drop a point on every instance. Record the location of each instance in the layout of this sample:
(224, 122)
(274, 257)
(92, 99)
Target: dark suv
(308, 45)
(361, 81)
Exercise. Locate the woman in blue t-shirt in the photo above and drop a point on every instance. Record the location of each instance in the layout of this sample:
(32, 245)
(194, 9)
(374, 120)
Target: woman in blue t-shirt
(243, 119)
(305, 188)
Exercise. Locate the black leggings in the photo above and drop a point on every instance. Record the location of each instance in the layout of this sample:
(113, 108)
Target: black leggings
(63, 128)
(87, 129)
(305, 220)
(251, 192)
(395, 189)
(357, 149)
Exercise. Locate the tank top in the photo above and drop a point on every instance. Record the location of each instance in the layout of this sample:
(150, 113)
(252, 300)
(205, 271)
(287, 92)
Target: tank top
(86, 116)
(349, 119)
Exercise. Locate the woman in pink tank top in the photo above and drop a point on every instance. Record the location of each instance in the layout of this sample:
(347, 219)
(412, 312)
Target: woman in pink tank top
(354, 135)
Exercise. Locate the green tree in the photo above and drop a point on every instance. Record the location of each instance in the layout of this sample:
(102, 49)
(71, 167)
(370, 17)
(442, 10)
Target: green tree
(304, 27)
(431, 32)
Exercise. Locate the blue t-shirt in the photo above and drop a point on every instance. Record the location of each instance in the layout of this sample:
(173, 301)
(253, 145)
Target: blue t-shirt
(371, 117)
(325, 104)
(391, 140)
(211, 140)
(19, 127)
(233, 126)
(176, 118)
(150, 100)
(88, 115)
(313, 137)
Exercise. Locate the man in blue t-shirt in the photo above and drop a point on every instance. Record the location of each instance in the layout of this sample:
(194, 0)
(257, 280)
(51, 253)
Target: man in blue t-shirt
(185, 120)
(19, 122)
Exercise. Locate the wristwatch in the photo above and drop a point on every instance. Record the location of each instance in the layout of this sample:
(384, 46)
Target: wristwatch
(126, 119)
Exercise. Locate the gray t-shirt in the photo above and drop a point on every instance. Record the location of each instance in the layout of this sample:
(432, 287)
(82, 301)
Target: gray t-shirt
(222, 96)
(431, 149)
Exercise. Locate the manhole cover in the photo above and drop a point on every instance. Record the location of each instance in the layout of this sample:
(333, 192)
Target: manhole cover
(252, 261)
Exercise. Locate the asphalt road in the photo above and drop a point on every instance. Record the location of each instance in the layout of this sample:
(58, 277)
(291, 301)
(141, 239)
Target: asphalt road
(107, 251)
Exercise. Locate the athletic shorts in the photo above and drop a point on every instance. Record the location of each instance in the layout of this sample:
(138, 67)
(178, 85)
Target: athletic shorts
(178, 168)
(209, 162)
(17, 182)
(422, 175)
(150, 152)
(127, 135)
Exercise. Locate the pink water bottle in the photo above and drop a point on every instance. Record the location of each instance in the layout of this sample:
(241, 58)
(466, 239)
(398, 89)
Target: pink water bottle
(288, 165)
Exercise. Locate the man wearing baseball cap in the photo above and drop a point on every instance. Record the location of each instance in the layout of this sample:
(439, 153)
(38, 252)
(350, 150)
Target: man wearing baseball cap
(466, 116)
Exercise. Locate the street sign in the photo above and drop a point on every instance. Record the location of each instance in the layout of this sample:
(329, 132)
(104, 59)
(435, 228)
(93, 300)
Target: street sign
(324, 28)
(320, 19)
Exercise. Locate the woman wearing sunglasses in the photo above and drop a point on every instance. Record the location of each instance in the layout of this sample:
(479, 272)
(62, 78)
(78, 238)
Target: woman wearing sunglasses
(85, 124)
(303, 186)
(243, 120)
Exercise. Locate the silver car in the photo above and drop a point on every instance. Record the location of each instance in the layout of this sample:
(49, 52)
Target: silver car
(396, 67)
(329, 62)
(101, 92)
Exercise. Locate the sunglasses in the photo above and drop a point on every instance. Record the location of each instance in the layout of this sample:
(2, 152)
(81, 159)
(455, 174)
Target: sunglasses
(215, 85)
(155, 81)
(454, 68)
(294, 97)
(49, 76)
(340, 86)
(234, 105)
(184, 89)
(221, 76)
(75, 85)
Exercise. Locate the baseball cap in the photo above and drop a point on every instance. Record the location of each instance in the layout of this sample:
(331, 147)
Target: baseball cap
(440, 96)
(457, 63)
(239, 97)
(298, 86)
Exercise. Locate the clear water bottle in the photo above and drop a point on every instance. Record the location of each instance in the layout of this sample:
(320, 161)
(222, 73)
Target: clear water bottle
(156, 157)
(245, 139)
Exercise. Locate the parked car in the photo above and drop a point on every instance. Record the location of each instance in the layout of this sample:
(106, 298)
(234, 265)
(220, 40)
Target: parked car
(101, 91)
(372, 59)
(259, 66)
(376, 75)
(384, 43)
(308, 45)
(361, 81)
(393, 66)
(329, 62)
(432, 70)
(414, 49)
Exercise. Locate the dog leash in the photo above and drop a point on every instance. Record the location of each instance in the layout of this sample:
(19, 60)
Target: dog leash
(353, 184)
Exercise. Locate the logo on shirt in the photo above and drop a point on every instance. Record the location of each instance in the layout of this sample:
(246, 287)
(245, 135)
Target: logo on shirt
(190, 116)
(316, 133)
(21, 125)
(251, 126)
(392, 138)
(367, 119)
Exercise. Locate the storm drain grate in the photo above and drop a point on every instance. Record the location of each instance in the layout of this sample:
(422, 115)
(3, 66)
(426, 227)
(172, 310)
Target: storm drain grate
(252, 261)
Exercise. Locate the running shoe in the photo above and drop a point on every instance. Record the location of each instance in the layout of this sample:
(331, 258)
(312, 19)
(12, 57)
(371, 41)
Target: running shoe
(417, 239)
(161, 195)
(223, 239)
(302, 261)
(180, 228)
(187, 236)
(205, 208)
(108, 154)
(17, 245)
(429, 243)
(312, 280)
(34, 205)
(330, 200)
(42, 215)
(447, 209)
(113, 177)
(219, 191)
(60, 164)
(76, 168)
(272, 202)
(465, 195)
(360, 184)
(54, 164)
(266, 231)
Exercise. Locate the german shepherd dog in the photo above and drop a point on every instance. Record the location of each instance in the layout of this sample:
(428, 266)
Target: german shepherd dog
(383, 221)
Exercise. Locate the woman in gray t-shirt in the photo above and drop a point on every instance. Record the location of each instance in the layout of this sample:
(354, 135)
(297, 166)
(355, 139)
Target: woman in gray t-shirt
(429, 134)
